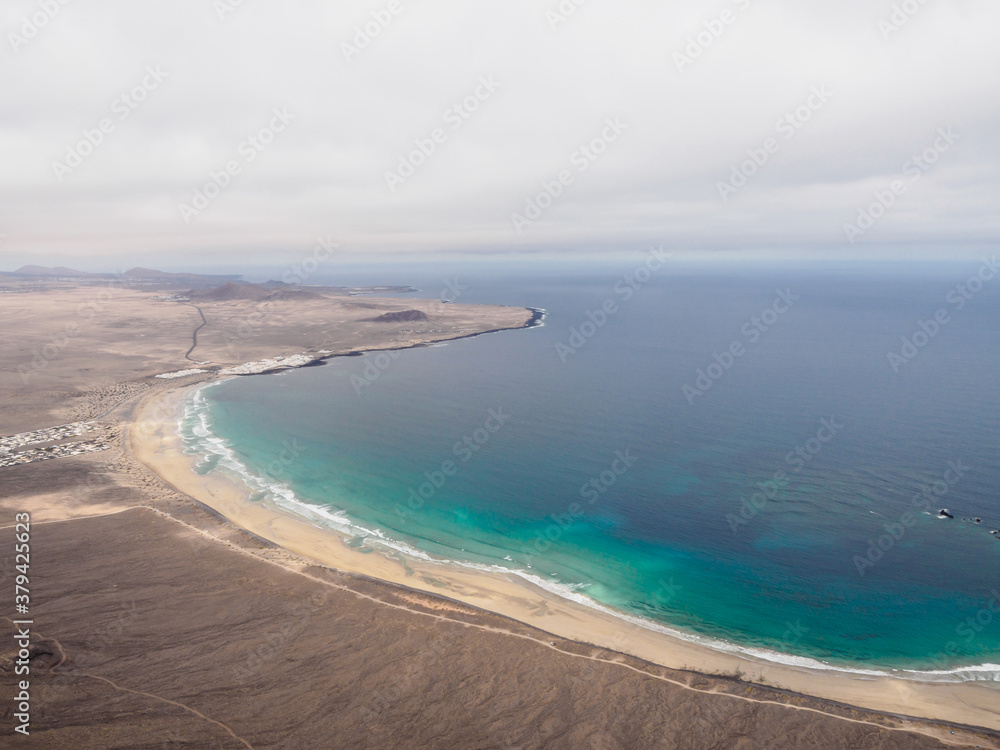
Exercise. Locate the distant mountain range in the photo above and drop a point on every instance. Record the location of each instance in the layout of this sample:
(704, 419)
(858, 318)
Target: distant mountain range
(132, 276)
(57, 271)
(203, 286)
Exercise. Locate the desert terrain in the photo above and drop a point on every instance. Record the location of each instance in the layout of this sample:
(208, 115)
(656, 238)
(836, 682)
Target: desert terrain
(159, 623)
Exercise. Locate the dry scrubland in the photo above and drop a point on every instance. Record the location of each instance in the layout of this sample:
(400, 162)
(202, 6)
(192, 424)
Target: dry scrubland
(71, 353)
(159, 624)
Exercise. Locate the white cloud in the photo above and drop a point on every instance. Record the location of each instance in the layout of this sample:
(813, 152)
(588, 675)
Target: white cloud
(325, 174)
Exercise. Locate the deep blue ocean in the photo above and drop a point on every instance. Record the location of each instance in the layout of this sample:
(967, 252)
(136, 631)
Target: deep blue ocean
(725, 450)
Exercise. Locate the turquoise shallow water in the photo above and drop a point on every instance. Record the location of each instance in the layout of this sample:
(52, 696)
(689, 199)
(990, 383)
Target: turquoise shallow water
(598, 476)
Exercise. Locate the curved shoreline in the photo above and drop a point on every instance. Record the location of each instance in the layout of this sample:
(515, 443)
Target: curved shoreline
(536, 319)
(153, 440)
(219, 453)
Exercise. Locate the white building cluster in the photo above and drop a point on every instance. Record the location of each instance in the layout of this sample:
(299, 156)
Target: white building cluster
(9, 456)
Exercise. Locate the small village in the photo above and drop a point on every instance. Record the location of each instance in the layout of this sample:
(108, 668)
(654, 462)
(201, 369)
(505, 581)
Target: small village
(10, 456)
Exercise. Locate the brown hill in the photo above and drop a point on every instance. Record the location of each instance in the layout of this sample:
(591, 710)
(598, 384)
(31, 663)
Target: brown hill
(403, 316)
(232, 291)
(294, 294)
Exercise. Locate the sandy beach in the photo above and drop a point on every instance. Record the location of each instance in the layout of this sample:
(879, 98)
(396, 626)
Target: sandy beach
(153, 441)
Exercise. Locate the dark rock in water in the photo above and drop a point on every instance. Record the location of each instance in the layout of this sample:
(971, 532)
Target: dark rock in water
(979, 520)
(943, 513)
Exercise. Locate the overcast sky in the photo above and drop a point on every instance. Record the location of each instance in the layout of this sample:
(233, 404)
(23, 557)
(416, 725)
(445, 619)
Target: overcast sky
(666, 98)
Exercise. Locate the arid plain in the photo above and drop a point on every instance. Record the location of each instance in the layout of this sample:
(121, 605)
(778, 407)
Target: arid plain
(160, 623)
